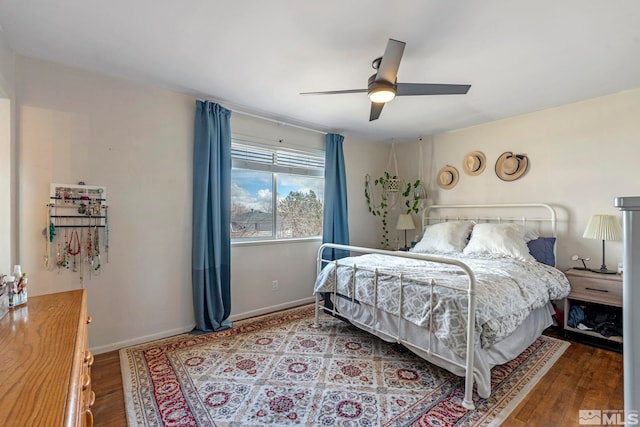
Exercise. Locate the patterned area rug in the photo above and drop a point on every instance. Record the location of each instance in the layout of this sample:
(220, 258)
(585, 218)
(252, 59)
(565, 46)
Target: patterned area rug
(276, 370)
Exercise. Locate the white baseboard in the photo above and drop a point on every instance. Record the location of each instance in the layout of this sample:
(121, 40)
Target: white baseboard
(271, 309)
(177, 331)
(140, 340)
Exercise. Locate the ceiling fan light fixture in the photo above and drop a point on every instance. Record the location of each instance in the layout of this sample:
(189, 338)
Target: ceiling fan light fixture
(383, 86)
(380, 91)
(382, 94)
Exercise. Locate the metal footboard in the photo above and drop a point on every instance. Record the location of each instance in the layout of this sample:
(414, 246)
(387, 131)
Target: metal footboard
(469, 290)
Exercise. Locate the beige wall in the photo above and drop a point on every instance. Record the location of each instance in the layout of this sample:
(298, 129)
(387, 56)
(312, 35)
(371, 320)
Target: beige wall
(138, 141)
(362, 158)
(581, 156)
(5, 186)
(77, 126)
(6, 156)
(7, 63)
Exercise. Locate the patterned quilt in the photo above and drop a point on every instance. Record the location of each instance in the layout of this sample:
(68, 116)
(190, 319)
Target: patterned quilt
(507, 291)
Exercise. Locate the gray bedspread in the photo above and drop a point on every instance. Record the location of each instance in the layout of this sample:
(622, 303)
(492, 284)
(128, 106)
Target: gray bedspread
(507, 291)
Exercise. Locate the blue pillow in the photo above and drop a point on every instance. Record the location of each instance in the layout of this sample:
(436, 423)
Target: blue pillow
(542, 250)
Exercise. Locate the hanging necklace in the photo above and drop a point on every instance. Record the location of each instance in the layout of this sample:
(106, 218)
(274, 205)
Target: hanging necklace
(47, 231)
(106, 231)
(67, 257)
(96, 243)
(74, 244)
(89, 257)
(81, 263)
(89, 245)
(59, 255)
(74, 248)
(96, 261)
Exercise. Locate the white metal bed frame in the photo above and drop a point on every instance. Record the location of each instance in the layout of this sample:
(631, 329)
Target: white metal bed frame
(427, 218)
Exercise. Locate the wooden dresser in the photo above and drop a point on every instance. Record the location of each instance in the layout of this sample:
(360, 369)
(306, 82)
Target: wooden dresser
(45, 364)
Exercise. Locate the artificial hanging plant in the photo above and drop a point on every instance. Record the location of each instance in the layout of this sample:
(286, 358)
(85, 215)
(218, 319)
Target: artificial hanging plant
(412, 204)
(390, 187)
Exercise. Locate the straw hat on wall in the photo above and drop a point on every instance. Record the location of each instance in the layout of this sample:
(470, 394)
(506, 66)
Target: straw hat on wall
(474, 163)
(448, 177)
(510, 167)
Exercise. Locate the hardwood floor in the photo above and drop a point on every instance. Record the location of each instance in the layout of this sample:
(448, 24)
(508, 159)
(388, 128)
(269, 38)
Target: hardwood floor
(106, 382)
(584, 377)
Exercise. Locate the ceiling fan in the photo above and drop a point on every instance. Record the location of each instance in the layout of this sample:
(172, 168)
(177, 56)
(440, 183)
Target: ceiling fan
(383, 85)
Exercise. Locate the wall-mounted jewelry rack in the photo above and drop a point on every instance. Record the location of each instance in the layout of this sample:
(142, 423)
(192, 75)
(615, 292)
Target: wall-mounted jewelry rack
(77, 231)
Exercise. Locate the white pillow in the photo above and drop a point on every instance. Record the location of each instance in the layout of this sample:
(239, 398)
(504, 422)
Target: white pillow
(444, 237)
(499, 239)
(529, 233)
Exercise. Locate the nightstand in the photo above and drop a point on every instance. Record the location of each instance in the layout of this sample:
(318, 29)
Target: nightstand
(597, 291)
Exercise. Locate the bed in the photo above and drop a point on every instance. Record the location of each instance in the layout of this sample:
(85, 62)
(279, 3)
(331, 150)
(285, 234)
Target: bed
(473, 293)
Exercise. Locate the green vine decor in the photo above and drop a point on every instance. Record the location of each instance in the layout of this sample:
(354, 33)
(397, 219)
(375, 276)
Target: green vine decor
(385, 182)
(412, 205)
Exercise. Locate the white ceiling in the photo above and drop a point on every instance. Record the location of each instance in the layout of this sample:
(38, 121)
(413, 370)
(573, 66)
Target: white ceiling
(256, 56)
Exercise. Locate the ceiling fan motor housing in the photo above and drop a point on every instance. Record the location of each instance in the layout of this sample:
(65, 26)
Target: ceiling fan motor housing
(375, 86)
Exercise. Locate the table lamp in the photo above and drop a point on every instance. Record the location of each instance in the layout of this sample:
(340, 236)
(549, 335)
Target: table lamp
(405, 222)
(603, 227)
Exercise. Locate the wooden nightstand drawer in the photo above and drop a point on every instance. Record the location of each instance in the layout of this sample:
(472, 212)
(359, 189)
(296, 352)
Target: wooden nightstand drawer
(596, 289)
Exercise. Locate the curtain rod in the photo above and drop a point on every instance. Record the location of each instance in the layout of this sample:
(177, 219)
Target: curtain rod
(255, 116)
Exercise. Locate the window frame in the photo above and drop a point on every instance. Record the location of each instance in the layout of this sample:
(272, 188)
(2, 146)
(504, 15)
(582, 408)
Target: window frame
(275, 169)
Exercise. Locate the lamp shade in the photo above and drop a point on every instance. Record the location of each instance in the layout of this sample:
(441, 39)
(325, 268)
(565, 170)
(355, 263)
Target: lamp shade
(603, 227)
(405, 222)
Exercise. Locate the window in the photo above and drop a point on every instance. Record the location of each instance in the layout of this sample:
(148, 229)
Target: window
(275, 194)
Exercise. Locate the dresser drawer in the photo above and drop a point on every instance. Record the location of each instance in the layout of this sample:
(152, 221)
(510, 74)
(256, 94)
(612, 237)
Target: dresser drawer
(600, 290)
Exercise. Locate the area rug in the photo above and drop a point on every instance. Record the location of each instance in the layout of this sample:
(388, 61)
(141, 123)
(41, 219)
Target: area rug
(276, 370)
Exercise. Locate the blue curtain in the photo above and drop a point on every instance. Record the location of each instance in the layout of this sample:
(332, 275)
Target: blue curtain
(211, 244)
(335, 225)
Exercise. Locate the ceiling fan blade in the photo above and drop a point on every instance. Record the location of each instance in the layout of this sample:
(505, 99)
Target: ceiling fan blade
(376, 109)
(408, 89)
(388, 69)
(335, 92)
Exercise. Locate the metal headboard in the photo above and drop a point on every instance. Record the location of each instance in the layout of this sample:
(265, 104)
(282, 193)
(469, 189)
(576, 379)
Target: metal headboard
(430, 216)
